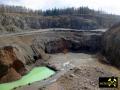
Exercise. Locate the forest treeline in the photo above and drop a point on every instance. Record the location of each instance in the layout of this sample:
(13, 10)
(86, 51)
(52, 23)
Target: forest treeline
(51, 12)
(17, 18)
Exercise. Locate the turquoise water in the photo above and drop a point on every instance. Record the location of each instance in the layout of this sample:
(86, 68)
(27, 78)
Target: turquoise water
(36, 74)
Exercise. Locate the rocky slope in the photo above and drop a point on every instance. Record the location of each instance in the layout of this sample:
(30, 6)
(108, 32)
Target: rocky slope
(17, 19)
(10, 65)
(19, 53)
(79, 79)
(78, 41)
(111, 45)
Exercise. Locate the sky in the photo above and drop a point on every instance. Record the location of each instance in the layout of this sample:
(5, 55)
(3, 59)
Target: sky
(109, 6)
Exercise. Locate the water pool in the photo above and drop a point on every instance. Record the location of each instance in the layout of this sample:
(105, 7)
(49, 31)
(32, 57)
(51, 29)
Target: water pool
(36, 74)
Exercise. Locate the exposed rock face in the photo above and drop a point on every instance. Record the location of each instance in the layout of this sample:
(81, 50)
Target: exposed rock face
(59, 41)
(19, 54)
(39, 53)
(3, 69)
(111, 44)
(10, 76)
(19, 67)
(11, 67)
(11, 23)
(13, 61)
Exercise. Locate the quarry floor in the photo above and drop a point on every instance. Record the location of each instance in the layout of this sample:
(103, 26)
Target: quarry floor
(84, 76)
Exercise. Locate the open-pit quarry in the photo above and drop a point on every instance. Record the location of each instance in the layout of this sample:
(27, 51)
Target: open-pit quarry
(74, 55)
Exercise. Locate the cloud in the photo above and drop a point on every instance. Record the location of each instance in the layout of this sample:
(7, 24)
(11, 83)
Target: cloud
(111, 6)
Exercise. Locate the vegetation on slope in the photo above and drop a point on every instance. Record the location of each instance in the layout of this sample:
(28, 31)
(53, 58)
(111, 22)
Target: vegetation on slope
(15, 18)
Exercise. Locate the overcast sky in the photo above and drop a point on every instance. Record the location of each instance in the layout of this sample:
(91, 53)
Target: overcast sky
(110, 6)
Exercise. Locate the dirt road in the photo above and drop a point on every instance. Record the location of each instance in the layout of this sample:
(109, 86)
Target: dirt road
(45, 30)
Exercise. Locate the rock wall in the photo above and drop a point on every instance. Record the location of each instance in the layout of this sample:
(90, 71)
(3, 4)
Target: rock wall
(12, 23)
(111, 45)
(59, 41)
(12, 68)
(14, 61)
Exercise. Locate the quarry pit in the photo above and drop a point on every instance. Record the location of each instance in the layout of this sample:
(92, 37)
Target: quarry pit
(56, 49)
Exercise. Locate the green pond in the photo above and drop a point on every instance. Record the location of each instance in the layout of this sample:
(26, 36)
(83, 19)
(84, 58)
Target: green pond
(36, 74)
